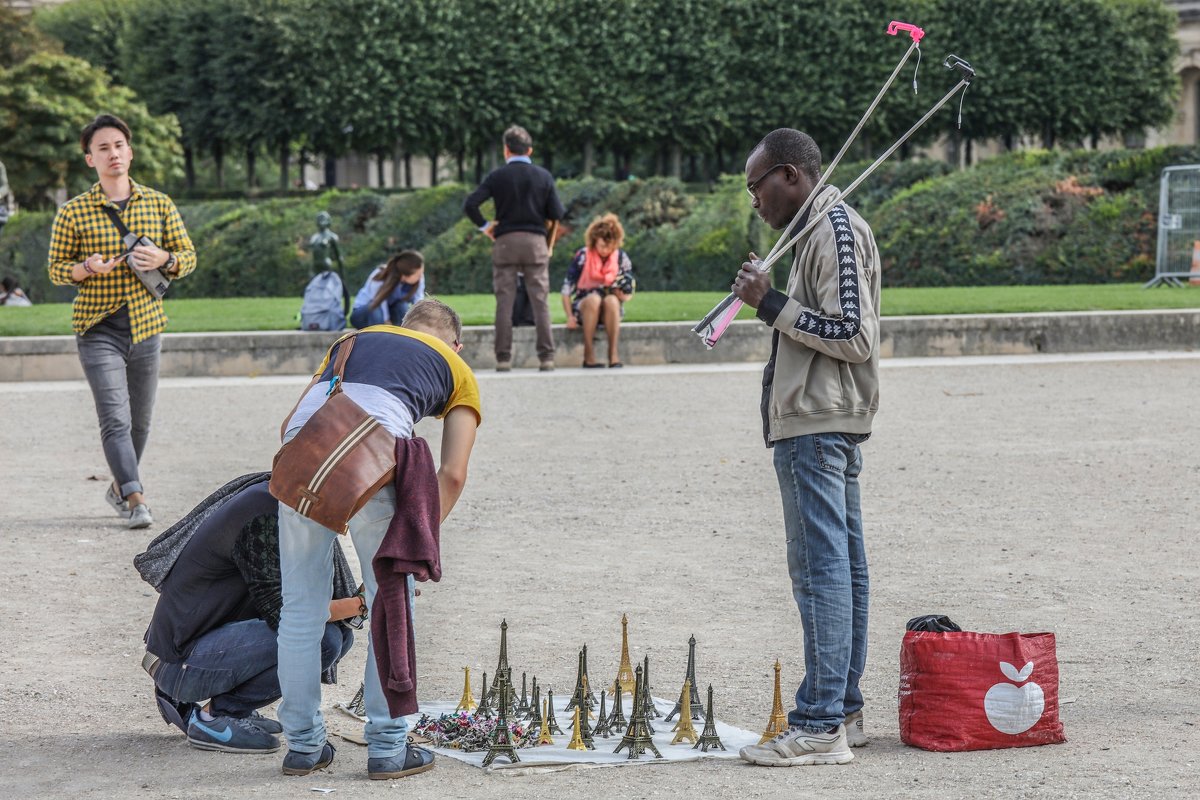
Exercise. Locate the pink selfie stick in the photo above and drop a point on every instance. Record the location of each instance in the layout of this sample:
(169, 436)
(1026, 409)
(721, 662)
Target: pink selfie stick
(895, 26)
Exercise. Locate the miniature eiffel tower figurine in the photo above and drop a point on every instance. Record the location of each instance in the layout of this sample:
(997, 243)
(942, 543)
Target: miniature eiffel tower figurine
(778, 722)
(684, 726)
(618, 721)
(708, 737)
(551, 722)
(625, 671)
(544, 734)
(512, 695)
(585, 727)
(501, 743)
(502, 666)
(522, 709)
(690, 675)
(603, 724)
(577, 740)
(358, 705)
(637, 737)
(535, 705)
(579, 696)
(467, 703)
(587, 683)
(648, 708)
(484, 709)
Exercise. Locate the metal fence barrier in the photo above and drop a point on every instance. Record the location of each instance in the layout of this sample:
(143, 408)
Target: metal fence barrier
(1178, 227)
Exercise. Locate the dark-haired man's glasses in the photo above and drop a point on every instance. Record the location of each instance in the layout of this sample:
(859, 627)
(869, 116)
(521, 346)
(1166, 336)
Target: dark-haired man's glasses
(751, 188)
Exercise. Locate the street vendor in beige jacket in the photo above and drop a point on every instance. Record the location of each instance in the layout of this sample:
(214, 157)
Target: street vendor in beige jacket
(820, 394)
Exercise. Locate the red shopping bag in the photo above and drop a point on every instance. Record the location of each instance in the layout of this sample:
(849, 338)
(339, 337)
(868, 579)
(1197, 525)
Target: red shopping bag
(978, 691)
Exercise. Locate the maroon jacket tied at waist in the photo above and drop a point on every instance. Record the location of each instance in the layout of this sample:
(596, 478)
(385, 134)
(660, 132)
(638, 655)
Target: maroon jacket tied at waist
(410, 547)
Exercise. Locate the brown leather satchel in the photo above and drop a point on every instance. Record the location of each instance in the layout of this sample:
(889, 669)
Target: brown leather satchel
(337, 461)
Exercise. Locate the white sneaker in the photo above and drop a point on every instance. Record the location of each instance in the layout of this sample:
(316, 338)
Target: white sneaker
(117, 502)
(797, 747)
(139, 517)
(855, 735)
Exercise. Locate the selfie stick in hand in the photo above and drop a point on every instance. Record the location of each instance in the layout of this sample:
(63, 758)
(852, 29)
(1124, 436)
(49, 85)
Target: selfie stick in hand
(714, 324)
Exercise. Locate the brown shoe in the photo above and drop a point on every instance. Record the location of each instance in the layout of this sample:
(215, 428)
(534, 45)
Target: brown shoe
(546, 366)
(503, 366)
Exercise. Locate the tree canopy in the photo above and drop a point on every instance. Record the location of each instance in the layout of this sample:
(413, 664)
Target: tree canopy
(675, 77)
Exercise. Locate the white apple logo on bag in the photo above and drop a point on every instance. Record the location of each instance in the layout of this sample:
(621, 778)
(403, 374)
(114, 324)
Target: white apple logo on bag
(1014, 709)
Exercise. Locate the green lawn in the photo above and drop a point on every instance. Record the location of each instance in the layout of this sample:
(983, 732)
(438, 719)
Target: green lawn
(280, 313)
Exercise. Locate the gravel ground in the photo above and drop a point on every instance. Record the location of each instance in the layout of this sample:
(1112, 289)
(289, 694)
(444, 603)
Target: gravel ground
(1012, 494)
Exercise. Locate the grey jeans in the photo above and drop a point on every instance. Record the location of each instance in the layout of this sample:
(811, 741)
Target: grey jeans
(124, 378)
(527, 253)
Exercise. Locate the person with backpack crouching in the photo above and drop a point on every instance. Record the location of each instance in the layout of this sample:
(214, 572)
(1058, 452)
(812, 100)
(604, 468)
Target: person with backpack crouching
(391, 291)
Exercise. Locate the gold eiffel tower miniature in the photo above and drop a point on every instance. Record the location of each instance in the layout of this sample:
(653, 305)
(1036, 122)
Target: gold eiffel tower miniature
(637, 737)
(777, 724)
(544, 734)
(467, 703)
(684, 726)
(625, 675)
(708, 737)
(577, 742)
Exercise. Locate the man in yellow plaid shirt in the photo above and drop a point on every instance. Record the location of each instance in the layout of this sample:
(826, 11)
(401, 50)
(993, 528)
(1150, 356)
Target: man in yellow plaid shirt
(117, 320)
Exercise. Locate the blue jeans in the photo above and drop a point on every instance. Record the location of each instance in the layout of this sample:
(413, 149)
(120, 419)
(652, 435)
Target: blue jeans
(306, 559)
(392, 311)
(827, 561)
(124, 378)
(234, 665)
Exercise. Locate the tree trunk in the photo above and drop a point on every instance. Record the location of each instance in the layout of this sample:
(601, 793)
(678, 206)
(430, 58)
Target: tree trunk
(433, 169)
(380, 157)
(1009, 142)
(692, 167)
(589, 157)
(970, 155)
(548, 160)
(660, 160)
(478, 165)
(1047, 136)
(189, 168)
(718, 161)
(408, 170)
(219, 162)
(330, 172)
(284, 157)
(397, 166)
(676, 161)
(251, 163)
(462, 165)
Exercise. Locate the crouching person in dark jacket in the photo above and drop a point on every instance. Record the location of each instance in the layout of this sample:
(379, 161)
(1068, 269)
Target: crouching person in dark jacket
(213, 634)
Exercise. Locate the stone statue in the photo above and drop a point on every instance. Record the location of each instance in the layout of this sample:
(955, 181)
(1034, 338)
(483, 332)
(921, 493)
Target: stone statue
(324, 246)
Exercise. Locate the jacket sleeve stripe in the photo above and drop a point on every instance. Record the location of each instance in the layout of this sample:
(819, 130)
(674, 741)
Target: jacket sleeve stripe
(847, 325)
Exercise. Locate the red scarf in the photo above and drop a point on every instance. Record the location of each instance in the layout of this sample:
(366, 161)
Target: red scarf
(599, 272)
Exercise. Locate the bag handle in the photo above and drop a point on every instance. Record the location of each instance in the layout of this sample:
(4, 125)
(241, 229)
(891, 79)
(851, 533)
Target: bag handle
(345, 345)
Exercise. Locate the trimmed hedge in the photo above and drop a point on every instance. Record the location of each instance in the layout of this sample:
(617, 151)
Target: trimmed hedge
(1033, 217)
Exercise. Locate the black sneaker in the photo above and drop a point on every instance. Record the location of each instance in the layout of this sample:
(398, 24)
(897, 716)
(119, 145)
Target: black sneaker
(265, 724)
(229, 735)
(172, 711)
(296, 763)
(411, 762)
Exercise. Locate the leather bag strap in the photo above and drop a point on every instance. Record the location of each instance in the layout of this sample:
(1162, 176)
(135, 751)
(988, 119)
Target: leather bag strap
(339, 370)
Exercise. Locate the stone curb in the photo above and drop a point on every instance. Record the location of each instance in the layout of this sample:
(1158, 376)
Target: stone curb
(49, 358)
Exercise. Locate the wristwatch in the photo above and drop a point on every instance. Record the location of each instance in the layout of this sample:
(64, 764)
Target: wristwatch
(170, 265)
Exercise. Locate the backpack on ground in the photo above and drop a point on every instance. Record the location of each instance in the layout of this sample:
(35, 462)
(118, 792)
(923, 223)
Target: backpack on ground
(326, 303)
